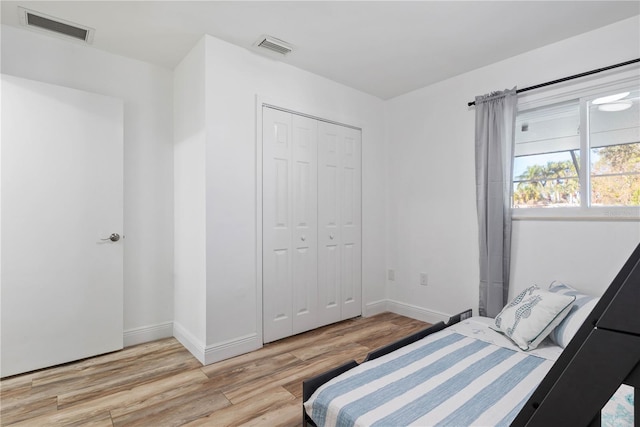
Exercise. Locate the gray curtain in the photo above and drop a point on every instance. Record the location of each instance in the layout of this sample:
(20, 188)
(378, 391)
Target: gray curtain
(495, 122)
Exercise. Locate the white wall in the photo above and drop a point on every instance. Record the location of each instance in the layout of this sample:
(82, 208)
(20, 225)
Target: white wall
(541, 253)
(234, 77)
(148, 152)
(189, 174)
(432, 212)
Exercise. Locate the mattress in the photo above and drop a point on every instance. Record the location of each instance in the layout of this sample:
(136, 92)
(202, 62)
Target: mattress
(618, 412)
(465, 375)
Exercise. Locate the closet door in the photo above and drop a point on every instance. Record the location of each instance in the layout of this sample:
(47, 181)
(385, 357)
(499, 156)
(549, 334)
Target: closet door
(277, 225)
(350, 225)
(339, 212)
(289, 224)
(305, 221)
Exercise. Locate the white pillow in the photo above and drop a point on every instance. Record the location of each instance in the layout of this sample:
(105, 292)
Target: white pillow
(582, 307)
(532, 315)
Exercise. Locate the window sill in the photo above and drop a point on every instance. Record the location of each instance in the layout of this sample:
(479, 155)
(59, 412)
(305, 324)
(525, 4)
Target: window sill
(577, 214)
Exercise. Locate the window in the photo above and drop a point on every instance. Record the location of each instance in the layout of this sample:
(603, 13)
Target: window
(582, 154)
(614, 150)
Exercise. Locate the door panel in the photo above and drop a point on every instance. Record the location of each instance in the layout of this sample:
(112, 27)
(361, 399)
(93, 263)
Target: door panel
(281, 172)
(329, 195)
(282, 286)
(339, 221)
(62, 195)
(277, 229)
(305, 202)
(351, 227)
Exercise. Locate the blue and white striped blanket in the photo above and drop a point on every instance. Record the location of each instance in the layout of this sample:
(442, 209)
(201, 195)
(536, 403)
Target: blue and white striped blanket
(465, 375)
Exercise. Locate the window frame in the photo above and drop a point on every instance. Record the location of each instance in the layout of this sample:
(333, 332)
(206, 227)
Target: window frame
(584, 91)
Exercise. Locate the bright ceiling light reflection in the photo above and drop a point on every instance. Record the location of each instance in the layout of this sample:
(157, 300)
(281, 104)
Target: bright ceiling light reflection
(615, 106)
(610, 98)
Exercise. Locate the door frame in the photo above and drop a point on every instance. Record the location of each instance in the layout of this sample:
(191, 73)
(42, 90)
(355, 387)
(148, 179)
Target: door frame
(313, 112)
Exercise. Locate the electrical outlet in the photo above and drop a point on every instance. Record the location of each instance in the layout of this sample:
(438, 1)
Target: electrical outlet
(423, 279)
(391, 274)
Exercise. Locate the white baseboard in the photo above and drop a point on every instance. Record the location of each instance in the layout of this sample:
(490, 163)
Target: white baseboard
(147, 333)
(416, 312)
(234, 347)
(191, 343)
(216, 352)
(244, 344)
(375, 307)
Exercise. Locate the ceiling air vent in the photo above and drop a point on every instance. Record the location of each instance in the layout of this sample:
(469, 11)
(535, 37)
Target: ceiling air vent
(58, 26)
(273, 44)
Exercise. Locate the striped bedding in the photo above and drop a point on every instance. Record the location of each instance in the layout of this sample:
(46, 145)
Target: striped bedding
(465, 375)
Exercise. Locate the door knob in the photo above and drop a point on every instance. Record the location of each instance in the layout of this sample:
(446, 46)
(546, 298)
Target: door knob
(303, 238)
(114, 237)
(331, 236)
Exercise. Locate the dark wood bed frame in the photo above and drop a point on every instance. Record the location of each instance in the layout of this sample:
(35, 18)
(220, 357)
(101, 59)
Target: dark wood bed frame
(604, 353)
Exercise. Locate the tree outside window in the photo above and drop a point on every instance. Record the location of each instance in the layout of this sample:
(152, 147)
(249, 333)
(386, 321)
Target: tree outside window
(549, 154)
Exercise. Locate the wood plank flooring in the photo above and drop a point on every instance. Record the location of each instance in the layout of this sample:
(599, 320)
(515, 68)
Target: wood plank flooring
(162, 384)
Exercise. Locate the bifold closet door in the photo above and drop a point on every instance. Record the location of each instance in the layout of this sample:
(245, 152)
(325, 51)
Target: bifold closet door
(290, 209)
(339, 223)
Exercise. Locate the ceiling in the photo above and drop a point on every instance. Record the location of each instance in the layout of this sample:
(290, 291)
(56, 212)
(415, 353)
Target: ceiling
(384, 48)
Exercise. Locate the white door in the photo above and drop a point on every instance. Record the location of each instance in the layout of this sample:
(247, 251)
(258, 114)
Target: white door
(350, 225)
(277, 225)
(339, 227)
(311, 223)
(289, 224)
(329, 190)
(62, 198)
(305, 223)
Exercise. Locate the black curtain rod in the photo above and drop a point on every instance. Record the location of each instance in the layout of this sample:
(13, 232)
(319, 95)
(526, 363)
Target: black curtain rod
(586, 73)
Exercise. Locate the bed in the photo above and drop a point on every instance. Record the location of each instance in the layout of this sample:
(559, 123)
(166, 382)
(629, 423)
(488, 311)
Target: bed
(470, 372)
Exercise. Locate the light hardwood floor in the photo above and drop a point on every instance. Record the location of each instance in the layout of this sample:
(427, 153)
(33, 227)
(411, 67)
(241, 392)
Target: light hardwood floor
(162, 384)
